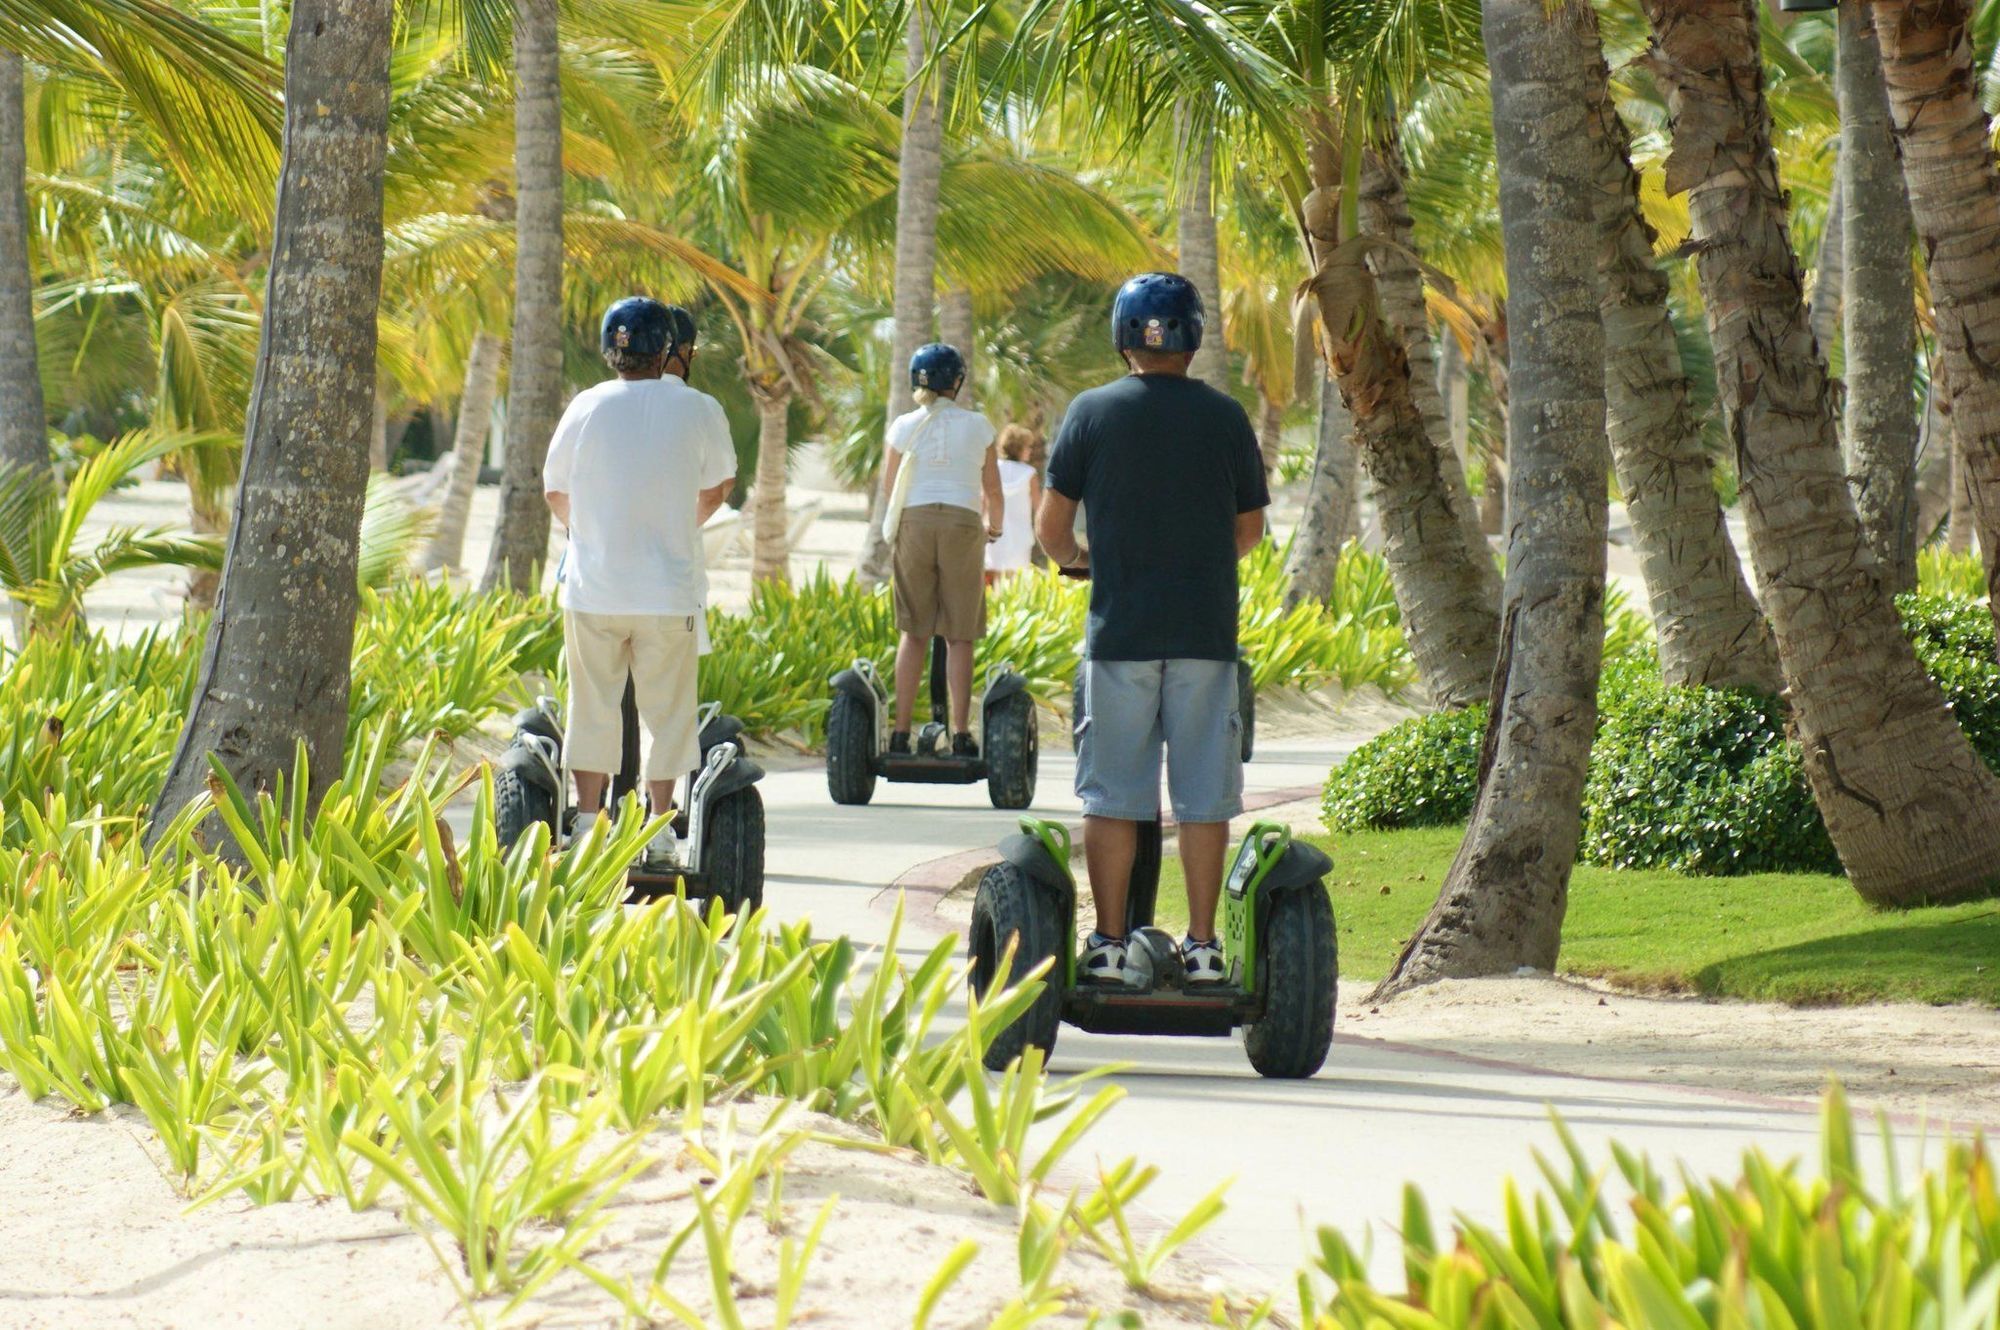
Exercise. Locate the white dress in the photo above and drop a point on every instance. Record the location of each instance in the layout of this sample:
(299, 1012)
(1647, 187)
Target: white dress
(1016, 546)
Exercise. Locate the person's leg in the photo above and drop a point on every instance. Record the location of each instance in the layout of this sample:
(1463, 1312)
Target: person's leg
(664, 669)
(911, 651)
(598, 650)
(958, 664)
(661, 793)
(1204, 775)
(1117, 776)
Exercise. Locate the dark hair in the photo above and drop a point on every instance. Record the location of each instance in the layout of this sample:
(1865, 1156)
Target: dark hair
(624, 360)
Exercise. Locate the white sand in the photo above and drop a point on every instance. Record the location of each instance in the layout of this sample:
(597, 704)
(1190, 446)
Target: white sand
(96, 1237)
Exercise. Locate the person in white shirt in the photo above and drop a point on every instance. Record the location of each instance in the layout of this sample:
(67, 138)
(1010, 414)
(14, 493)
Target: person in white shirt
(950, 508)
(1021, 489)
(637, 465)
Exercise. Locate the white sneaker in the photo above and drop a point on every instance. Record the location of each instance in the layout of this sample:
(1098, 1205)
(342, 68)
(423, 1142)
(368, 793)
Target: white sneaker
(663, 852)
(1203, 962)
(1103, 960)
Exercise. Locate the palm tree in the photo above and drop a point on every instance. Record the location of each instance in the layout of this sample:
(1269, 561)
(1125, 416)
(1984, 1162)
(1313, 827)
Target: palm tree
(24, 445)
(1332, 509)
(1200, 254)
(274, 673)
(1711, 631)
(468, 452)
(534, 386)
(1502, 903)
(1954, 194)
(1913, 812)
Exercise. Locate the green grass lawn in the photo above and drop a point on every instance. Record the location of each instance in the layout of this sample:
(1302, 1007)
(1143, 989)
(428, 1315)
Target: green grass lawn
(1779, 937)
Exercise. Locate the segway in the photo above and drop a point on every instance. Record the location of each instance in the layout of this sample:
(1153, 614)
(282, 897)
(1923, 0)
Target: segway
(1276, 932)
(1246, 703)
(721, 823)
(857, 738)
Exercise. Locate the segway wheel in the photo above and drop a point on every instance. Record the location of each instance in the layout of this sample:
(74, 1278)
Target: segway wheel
(1010, 905)
(1301, 972)
(1246, 706)
(850, 751)
(517, 805)
(1013, 752)
(733, 850)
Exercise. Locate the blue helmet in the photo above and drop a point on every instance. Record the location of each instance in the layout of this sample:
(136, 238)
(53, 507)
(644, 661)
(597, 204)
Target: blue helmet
(1157, 311)
(938, 367)
(681, 331)
(640, 325)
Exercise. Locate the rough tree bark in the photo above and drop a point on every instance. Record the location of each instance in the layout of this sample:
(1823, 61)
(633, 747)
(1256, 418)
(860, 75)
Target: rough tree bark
(1954, 192)
(1270, 431)
(534, 384)
(1879, 307)
(1959, 522)
(1933, 472)
(1502, 903)
(468, 450)
(1385, 210)
(1455, 387)
(1442, 579)
(274, 673)
(1332, 515)
(959, 326)
(1201, 258)
(1711, 631)
(1913, 812)
(918, 174)
(24, 440)
(770, 558)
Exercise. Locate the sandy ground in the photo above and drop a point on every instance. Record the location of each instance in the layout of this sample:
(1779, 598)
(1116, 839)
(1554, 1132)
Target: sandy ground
(98, 1238)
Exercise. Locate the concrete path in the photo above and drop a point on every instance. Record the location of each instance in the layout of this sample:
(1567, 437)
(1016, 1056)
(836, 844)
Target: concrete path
(1333, 1150)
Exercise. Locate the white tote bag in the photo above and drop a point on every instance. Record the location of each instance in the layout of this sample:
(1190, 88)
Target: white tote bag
(899, 494)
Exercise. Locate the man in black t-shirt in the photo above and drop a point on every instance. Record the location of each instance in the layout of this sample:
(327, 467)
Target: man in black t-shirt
(1173, 494)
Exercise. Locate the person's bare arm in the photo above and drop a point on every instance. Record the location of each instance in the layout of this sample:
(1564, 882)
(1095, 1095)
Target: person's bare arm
(1249, 531)
(996, 501)
(889, 470)
(711, 499)
(1055, 528)
(559, 505)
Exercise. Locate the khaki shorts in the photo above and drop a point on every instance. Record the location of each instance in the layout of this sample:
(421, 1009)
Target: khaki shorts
(941, 573)
(658, 653)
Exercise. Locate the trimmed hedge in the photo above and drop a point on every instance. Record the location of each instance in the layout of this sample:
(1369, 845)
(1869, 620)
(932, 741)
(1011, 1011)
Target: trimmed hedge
(1691, 779)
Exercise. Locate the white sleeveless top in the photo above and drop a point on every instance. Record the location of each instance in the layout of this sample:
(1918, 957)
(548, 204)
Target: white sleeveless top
(1016, 546)
(949, 444)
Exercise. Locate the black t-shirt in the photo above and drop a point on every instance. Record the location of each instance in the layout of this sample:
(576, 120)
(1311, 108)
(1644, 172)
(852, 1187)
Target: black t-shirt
(1162, 465)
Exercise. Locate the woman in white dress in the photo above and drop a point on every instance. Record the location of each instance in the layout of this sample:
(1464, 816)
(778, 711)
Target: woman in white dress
(1021, 491)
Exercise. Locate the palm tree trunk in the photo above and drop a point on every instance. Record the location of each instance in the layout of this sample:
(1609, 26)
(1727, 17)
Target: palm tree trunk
(1201, 255)
(24, 438)
(1954, 192)
(534, 387)
(1270, 431)
(1385, 210)
(378, 433)
(1711, 631)
(918, 174)
(1933, 472)
(1455, 387)
(1913, 812)
(1958, 519)
(770, 557)
(1824, 303)
(959, 326)
(1502, 903)
(1440, 578)
(1880, 306)
(274, 673)
(1331, 516)
(468, 449)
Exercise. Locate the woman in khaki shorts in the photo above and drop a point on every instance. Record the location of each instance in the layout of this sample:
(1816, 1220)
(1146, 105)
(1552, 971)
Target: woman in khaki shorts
(951, 506)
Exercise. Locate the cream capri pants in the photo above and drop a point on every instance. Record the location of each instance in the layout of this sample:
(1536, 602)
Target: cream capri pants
(660, 654)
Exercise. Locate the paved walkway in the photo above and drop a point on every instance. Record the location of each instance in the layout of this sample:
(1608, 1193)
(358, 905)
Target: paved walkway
(1333, 1150)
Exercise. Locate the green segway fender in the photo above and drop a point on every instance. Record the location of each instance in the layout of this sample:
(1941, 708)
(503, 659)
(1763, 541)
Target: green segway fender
(1269, 861)
(1041, 850)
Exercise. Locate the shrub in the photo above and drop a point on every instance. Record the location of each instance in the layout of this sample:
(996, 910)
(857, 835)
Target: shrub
(1423, 773)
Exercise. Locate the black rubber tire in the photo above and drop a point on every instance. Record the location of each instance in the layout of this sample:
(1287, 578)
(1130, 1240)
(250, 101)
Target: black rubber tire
(850, 750)
(1008, 904)
(733, 850)
(1013, 751)
(1301, 975)
(517, 805)
(1246, 706)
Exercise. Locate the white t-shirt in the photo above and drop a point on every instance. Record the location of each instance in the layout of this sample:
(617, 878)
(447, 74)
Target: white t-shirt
(1015, 549)
(633, 454)
(950, 446)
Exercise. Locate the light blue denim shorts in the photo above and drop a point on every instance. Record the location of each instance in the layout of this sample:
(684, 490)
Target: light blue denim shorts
(1131, 708)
